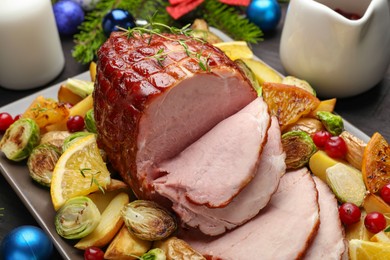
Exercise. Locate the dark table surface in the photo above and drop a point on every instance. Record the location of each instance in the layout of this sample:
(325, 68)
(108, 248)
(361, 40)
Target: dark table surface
(370, 112)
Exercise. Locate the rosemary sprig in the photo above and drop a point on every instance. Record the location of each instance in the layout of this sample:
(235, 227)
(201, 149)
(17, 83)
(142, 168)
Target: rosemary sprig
(1, 214)
(93, 178)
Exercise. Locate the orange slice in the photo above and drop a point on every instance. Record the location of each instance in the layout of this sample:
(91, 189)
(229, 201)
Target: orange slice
(288, 103)
(376, 163)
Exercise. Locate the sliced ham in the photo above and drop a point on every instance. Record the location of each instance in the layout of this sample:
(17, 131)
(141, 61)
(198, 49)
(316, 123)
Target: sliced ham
(283, 230)
(214, 169)
(246, 204)
(148, 110)
(329, 242)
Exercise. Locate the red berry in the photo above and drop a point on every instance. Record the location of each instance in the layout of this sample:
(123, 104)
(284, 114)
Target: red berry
(336, 147)
(375, 222)
(320, 138)
(17, 117)
(385, 193)
(349, 213)
(93, 253)
(75, 124)
(5, 121)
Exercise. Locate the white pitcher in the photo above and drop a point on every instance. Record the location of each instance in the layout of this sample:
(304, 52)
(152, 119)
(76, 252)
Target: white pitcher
(338, 56)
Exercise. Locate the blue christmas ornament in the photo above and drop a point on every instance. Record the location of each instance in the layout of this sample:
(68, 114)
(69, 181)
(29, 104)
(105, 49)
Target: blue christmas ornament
(25, 243)
(69, 15)
(264, 13)
(117, 17)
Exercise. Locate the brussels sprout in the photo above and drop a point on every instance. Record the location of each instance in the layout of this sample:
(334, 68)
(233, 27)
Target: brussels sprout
(300, 83)
(299, 147)
(77, 218)
(20, 139)
(154, 254)
(68, 141)
(333, 123)
(55, 138)
(80, 87)
(250, 75)
(148, 221)
(90, 121)
(41, 163)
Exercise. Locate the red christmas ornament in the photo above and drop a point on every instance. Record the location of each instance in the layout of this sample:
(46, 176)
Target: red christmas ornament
(178, 8)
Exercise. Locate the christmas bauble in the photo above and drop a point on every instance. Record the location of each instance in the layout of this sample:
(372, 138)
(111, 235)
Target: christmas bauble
(26, 242)
(117, 17)
(69, 15)
(264, 13)
(87, 5)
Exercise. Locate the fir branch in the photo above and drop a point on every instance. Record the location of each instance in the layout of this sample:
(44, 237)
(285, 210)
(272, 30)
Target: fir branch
(91, 35)
(229, 20)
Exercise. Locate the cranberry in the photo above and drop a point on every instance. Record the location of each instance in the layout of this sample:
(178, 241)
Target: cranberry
(93, 253)
(5, 121)
(349, 213)
(375, 222)
(336, 147)
(17, 117)
(385, 193)
(75, 124)
(320, 138)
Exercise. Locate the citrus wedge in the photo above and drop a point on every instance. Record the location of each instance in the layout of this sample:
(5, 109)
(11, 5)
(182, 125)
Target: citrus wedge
(288, 103)
(376, 163)
(235, 50)
(79, 171)
(367, 250)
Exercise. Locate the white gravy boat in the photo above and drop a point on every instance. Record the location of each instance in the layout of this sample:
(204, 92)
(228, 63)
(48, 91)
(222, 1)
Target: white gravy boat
(339, 57)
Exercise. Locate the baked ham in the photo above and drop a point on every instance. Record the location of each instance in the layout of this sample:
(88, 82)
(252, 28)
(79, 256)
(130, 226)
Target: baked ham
(248, 203)
(148, 109)
(329, 242)
(282, 230)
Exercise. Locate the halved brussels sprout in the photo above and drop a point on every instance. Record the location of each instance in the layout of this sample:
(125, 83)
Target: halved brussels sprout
(55, 138)
(90, 121)
(250, 75)
(77, 218)
(176, 248)
(148, 221)
(299, 147)
(154, 254)
(333, 123)
(41, 163)
(20, 139)
(68, 141)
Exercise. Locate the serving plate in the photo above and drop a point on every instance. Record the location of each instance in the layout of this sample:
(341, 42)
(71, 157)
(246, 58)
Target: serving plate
(37, 198)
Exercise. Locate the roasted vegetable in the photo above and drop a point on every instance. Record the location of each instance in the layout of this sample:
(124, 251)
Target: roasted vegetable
(20, 139)
(41, 163)
(306, 124)
(299, 147)
(80, 87)
(250, 75)
(355, 149)
(55, 138)
(346, 183)
(90, 121)
(148, 221)
(73, 138)
(333, 123)
(154, 254)
(300, 83)
(176, 248)
(77, 218)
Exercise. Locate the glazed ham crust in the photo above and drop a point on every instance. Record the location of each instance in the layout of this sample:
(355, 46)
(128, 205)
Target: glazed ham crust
(148, 110)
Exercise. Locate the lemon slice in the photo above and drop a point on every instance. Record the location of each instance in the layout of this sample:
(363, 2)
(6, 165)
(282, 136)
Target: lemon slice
(79, 171)
(361, 249)
(235, 50)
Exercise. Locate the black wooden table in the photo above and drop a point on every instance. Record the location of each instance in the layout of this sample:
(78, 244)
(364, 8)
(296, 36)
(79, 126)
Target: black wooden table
(370, 112)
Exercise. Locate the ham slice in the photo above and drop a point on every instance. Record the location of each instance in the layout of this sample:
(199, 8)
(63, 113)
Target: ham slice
(246, 205)
(329, 242)
(214, 169)
(148, 110)
(282, 230)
